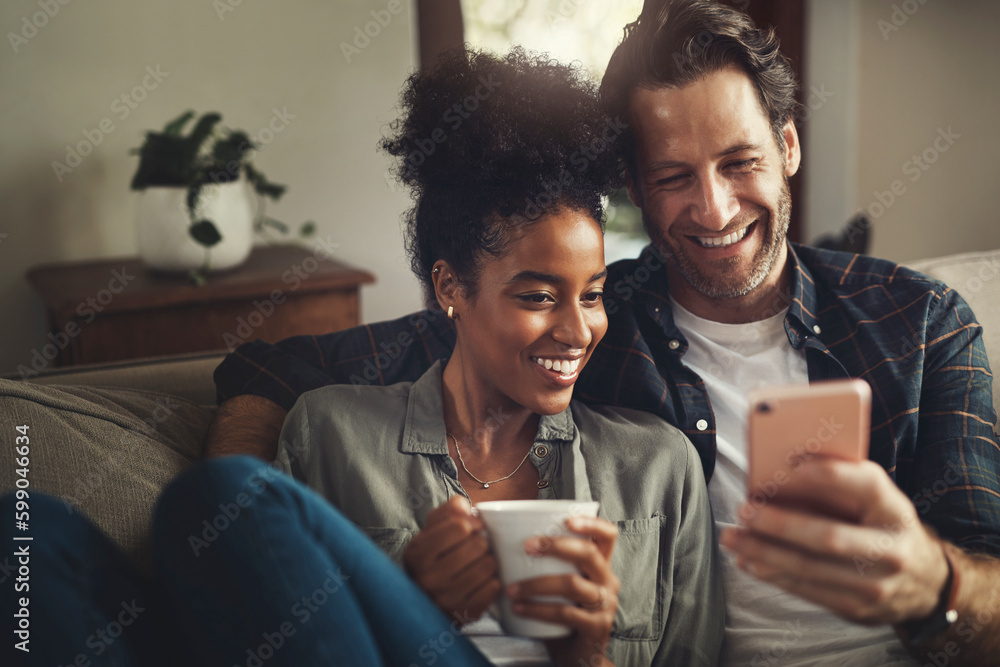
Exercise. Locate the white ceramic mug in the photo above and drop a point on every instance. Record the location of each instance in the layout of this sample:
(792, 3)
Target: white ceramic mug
(509, 523)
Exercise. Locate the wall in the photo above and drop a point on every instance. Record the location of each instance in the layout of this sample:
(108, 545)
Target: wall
(917, 80)
(243, 59)
(929, 100)
(894, 93)
(829, 88)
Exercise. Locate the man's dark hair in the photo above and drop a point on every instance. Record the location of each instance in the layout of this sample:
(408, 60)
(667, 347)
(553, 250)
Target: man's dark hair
(488, 144)
(676, 42)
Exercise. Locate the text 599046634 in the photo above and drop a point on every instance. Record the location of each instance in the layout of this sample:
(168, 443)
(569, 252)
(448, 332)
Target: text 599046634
(21, 518)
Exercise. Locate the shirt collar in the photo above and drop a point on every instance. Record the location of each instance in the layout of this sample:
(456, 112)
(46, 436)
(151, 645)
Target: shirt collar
(802, 302)
(423, 430)
(800, 322)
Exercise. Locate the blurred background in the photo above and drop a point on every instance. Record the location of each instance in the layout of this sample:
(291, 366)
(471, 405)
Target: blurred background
(901, 100)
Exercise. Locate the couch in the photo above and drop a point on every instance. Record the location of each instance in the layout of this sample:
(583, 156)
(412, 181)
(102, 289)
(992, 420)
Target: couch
(106, 439)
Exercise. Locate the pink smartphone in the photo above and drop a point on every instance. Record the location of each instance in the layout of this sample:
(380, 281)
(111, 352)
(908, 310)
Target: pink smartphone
(792, 423)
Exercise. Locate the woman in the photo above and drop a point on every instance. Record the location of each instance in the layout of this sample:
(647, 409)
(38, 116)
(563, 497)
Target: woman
(507, 158)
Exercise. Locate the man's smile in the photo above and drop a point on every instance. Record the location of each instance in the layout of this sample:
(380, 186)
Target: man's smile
(723, 241)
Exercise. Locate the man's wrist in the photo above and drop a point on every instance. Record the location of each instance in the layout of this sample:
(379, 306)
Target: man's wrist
(944, 614)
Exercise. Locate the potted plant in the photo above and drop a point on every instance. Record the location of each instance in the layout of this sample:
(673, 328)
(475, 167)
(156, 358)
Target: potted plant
(196, 210)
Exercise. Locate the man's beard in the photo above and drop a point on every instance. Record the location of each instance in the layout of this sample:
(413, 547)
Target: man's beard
(721, 284)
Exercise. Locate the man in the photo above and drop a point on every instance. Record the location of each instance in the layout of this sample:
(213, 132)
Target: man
(721, 303)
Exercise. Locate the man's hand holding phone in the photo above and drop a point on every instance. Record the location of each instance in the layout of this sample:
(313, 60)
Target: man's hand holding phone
(822, 521)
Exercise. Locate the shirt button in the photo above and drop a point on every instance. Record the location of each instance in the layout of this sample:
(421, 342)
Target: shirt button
(541, 451)
(542, 483)
(816, 329)
(701, 425)
(674, 344)
(656, 309)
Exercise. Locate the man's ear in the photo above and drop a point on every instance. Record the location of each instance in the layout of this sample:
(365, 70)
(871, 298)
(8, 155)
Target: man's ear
(634, 193)
(793, 150)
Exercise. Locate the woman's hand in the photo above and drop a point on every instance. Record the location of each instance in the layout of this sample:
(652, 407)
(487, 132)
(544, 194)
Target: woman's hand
(594, 591)
(451, 561)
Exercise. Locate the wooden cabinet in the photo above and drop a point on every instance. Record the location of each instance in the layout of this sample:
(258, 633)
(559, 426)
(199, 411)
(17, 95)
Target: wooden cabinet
(111, 309)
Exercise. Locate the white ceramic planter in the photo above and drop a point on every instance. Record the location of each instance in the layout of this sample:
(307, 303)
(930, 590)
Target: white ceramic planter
(163, 221)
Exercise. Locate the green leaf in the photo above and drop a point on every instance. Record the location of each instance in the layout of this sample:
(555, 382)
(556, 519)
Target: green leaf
(261, 185)
(205, 233)
(163, 161)
(307, 229)
(175, 126)
(201, 132)
(232, 148)
(191, 200)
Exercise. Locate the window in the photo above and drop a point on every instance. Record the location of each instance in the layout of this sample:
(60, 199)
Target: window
(569, 30)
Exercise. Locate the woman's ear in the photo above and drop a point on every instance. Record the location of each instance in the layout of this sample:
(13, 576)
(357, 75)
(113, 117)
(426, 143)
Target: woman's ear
(447, 289)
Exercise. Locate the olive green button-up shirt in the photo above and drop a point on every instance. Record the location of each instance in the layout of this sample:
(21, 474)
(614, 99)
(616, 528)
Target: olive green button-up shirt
(380, 456)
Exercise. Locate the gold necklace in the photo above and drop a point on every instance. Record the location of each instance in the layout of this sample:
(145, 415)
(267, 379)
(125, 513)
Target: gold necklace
(486, 485)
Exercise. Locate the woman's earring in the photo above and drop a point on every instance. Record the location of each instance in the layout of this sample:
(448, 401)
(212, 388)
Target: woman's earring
(451, 312)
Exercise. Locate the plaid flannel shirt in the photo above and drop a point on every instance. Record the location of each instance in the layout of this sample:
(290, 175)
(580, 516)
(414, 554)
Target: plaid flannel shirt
(913, 339)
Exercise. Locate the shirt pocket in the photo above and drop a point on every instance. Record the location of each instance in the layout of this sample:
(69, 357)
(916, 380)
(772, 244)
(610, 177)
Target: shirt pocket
(636, 561)
(392, 541)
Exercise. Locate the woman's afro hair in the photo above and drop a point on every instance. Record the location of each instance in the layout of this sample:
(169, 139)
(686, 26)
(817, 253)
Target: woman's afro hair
(488, 144)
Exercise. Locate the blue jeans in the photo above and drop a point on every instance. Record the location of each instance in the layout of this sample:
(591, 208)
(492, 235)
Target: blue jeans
(264, 571)
(86, 603)
(259, 571)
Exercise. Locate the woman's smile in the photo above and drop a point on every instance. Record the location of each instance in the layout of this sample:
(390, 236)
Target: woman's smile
(539, 304)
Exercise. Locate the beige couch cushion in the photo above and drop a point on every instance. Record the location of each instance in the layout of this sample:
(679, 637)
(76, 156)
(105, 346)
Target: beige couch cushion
(188, 376)
(106, 451)
(976, 276)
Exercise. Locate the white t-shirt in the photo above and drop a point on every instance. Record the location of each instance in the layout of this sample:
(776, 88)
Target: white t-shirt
(765, 627)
